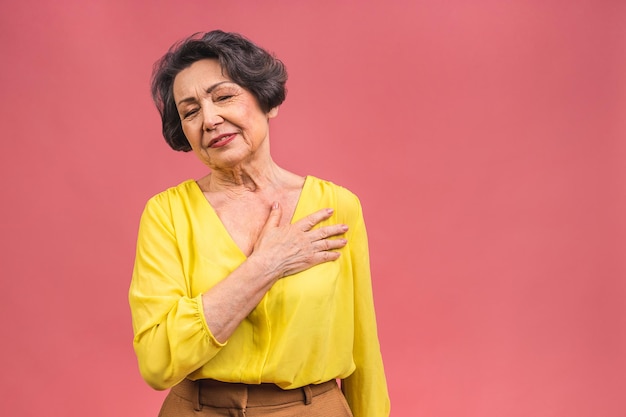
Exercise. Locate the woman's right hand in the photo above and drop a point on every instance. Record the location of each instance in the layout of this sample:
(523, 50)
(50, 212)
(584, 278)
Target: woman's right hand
(291, 248)
(280, 250)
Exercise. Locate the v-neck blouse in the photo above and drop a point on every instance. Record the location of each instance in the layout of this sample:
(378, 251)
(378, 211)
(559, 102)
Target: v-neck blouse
(218, 222)
(310, 327)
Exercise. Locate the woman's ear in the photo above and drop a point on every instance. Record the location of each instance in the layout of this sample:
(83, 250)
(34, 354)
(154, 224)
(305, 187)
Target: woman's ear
(272, 113)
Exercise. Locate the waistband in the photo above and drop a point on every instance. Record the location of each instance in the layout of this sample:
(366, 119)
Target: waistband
(214, 393)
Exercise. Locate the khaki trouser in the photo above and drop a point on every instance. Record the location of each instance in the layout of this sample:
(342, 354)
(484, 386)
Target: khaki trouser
(208, 398)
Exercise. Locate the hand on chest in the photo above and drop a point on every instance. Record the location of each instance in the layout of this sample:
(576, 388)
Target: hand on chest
(244, 218)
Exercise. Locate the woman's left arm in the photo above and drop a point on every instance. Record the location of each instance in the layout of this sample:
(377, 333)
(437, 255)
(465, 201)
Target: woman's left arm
(366, 388)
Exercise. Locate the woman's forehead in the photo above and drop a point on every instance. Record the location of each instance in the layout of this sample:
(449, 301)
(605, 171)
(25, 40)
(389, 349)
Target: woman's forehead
(203, 75)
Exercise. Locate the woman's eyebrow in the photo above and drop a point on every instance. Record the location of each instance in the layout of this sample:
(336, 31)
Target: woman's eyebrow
(208, 91)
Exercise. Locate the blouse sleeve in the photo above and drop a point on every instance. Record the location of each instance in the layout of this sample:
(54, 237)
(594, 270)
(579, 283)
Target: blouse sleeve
(366, 388)
(171, 335)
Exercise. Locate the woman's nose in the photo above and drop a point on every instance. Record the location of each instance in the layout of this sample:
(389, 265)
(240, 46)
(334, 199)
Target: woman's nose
(212, 117)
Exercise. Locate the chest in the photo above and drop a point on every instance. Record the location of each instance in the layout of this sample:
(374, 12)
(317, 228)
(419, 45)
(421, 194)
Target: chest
(244, 218)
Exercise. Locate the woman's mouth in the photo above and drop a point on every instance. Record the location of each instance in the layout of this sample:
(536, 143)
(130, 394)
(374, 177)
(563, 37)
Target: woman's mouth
(222, 140)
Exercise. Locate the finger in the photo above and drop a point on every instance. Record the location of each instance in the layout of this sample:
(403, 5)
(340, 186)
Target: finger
(329, 244)
(273, 219)
(311, 220)
(326, 256)
(328, 231)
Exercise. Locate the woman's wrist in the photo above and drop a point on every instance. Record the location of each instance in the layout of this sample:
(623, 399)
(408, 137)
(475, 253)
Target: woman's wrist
(262, 270)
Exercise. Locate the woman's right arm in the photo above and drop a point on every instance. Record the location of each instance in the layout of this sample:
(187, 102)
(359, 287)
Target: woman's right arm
(176, 334)
(279, 251)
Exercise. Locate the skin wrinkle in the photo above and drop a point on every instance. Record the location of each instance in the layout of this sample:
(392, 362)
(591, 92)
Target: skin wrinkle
(193, 99)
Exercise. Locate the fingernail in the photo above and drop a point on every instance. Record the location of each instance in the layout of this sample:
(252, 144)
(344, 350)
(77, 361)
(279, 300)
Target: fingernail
(275, 205)
(330, 210)
(344, 227)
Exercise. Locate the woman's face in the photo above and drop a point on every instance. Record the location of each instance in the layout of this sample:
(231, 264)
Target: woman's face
(222, 121)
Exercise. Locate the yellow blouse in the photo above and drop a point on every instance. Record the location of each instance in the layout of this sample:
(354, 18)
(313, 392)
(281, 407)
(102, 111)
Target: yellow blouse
(309, 328)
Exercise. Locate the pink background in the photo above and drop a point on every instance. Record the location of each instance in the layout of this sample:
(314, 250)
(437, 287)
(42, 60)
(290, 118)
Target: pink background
(486, 140)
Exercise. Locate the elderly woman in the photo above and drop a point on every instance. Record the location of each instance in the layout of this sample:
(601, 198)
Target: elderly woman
(251, 290)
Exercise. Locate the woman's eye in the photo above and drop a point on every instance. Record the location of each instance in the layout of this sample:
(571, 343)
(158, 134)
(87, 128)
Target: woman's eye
(223, 98)
(190, 113)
